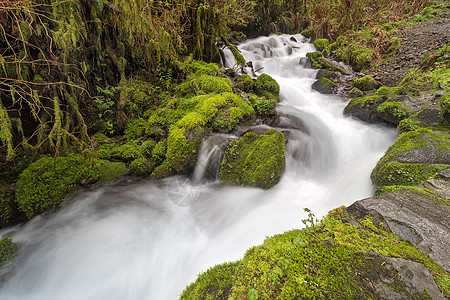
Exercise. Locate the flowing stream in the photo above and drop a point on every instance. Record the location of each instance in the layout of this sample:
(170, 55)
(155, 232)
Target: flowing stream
(149, 240)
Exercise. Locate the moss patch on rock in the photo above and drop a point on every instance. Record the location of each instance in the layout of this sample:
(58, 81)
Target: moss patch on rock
(215, 283)
(254, 160)
(324, 85)
(321, 44)
(190, 119)
(318, 62)
(330, 259)
(386, 104)
(204, 84)
(392, 112)
(265, 83)
(366, 83)
(415, 157)
(44, 184)
(8, 250)
(244, 83)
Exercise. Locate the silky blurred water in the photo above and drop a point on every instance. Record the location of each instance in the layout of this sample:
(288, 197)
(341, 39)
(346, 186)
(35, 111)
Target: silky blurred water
(148, 241)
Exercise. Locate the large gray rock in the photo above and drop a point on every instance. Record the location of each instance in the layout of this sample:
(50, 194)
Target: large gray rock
(414, 277)
(416, 216)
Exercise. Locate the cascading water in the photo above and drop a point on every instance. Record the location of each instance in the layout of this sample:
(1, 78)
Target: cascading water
(148, 241)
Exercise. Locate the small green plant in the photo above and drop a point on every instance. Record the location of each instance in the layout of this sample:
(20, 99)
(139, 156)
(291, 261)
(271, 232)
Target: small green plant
(311, 221)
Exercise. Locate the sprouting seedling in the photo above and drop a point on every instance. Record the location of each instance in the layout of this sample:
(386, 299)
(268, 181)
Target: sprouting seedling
(311, 221)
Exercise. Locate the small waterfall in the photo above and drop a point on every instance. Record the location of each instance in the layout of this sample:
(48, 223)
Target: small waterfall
(211, 154)
(148, 241)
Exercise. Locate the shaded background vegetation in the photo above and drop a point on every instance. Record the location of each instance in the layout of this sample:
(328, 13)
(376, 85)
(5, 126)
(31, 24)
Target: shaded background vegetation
(61, 60)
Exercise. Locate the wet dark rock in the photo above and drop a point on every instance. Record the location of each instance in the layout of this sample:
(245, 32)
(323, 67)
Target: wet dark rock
(415, 216)
(327, 74)
(355, 92)
(293, 39)
(324, 85)
(414, 278)
(428, 116)
(305, 62)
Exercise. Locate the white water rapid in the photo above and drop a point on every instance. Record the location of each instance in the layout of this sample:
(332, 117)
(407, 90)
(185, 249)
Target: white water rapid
(147, 241)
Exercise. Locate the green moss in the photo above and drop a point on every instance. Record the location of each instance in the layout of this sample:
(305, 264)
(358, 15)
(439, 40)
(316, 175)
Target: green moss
(445, 108)
(159, 152)
(139, 166)
(392, 46)
(240, 60)
(413, 158)
(355, 93)
(215, 283)
(204, 84)
(182, 149)
(254, 160)
(44, 184)
(364, 59)
(318, 62)
(135, 128)
(163, 171)
(408, 124)
(395, 173)
(321, 44)
(198, 68)
(126, 152)
(244, 83)
(393, 112)
(223, 111)
(308, 32)
(146, 148)
(7, 206)
(8, 250)
(264, 106)
(366, 83)
(265, 83)
(324, 85)
(327, 260)
(369, 102)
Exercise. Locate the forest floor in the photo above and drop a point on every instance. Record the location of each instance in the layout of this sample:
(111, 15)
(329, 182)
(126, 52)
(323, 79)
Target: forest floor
(415, 41)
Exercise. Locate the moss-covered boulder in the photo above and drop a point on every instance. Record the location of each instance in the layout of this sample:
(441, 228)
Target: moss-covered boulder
(266, 84)
(254, 160)
(244, 83)
(399, 210)
(385, 105)
(392, 112)
(414, 157)
(321, 44)
(330, 259)
(324, 85)
(366, 83)
(215, 283)
(8, 250)
(191, 119)
(45, 183)
(204, 84)
(318, 62)
(355, 93)
(308, 32)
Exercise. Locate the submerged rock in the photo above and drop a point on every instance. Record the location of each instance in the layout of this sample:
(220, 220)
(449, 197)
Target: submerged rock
(254, 160)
